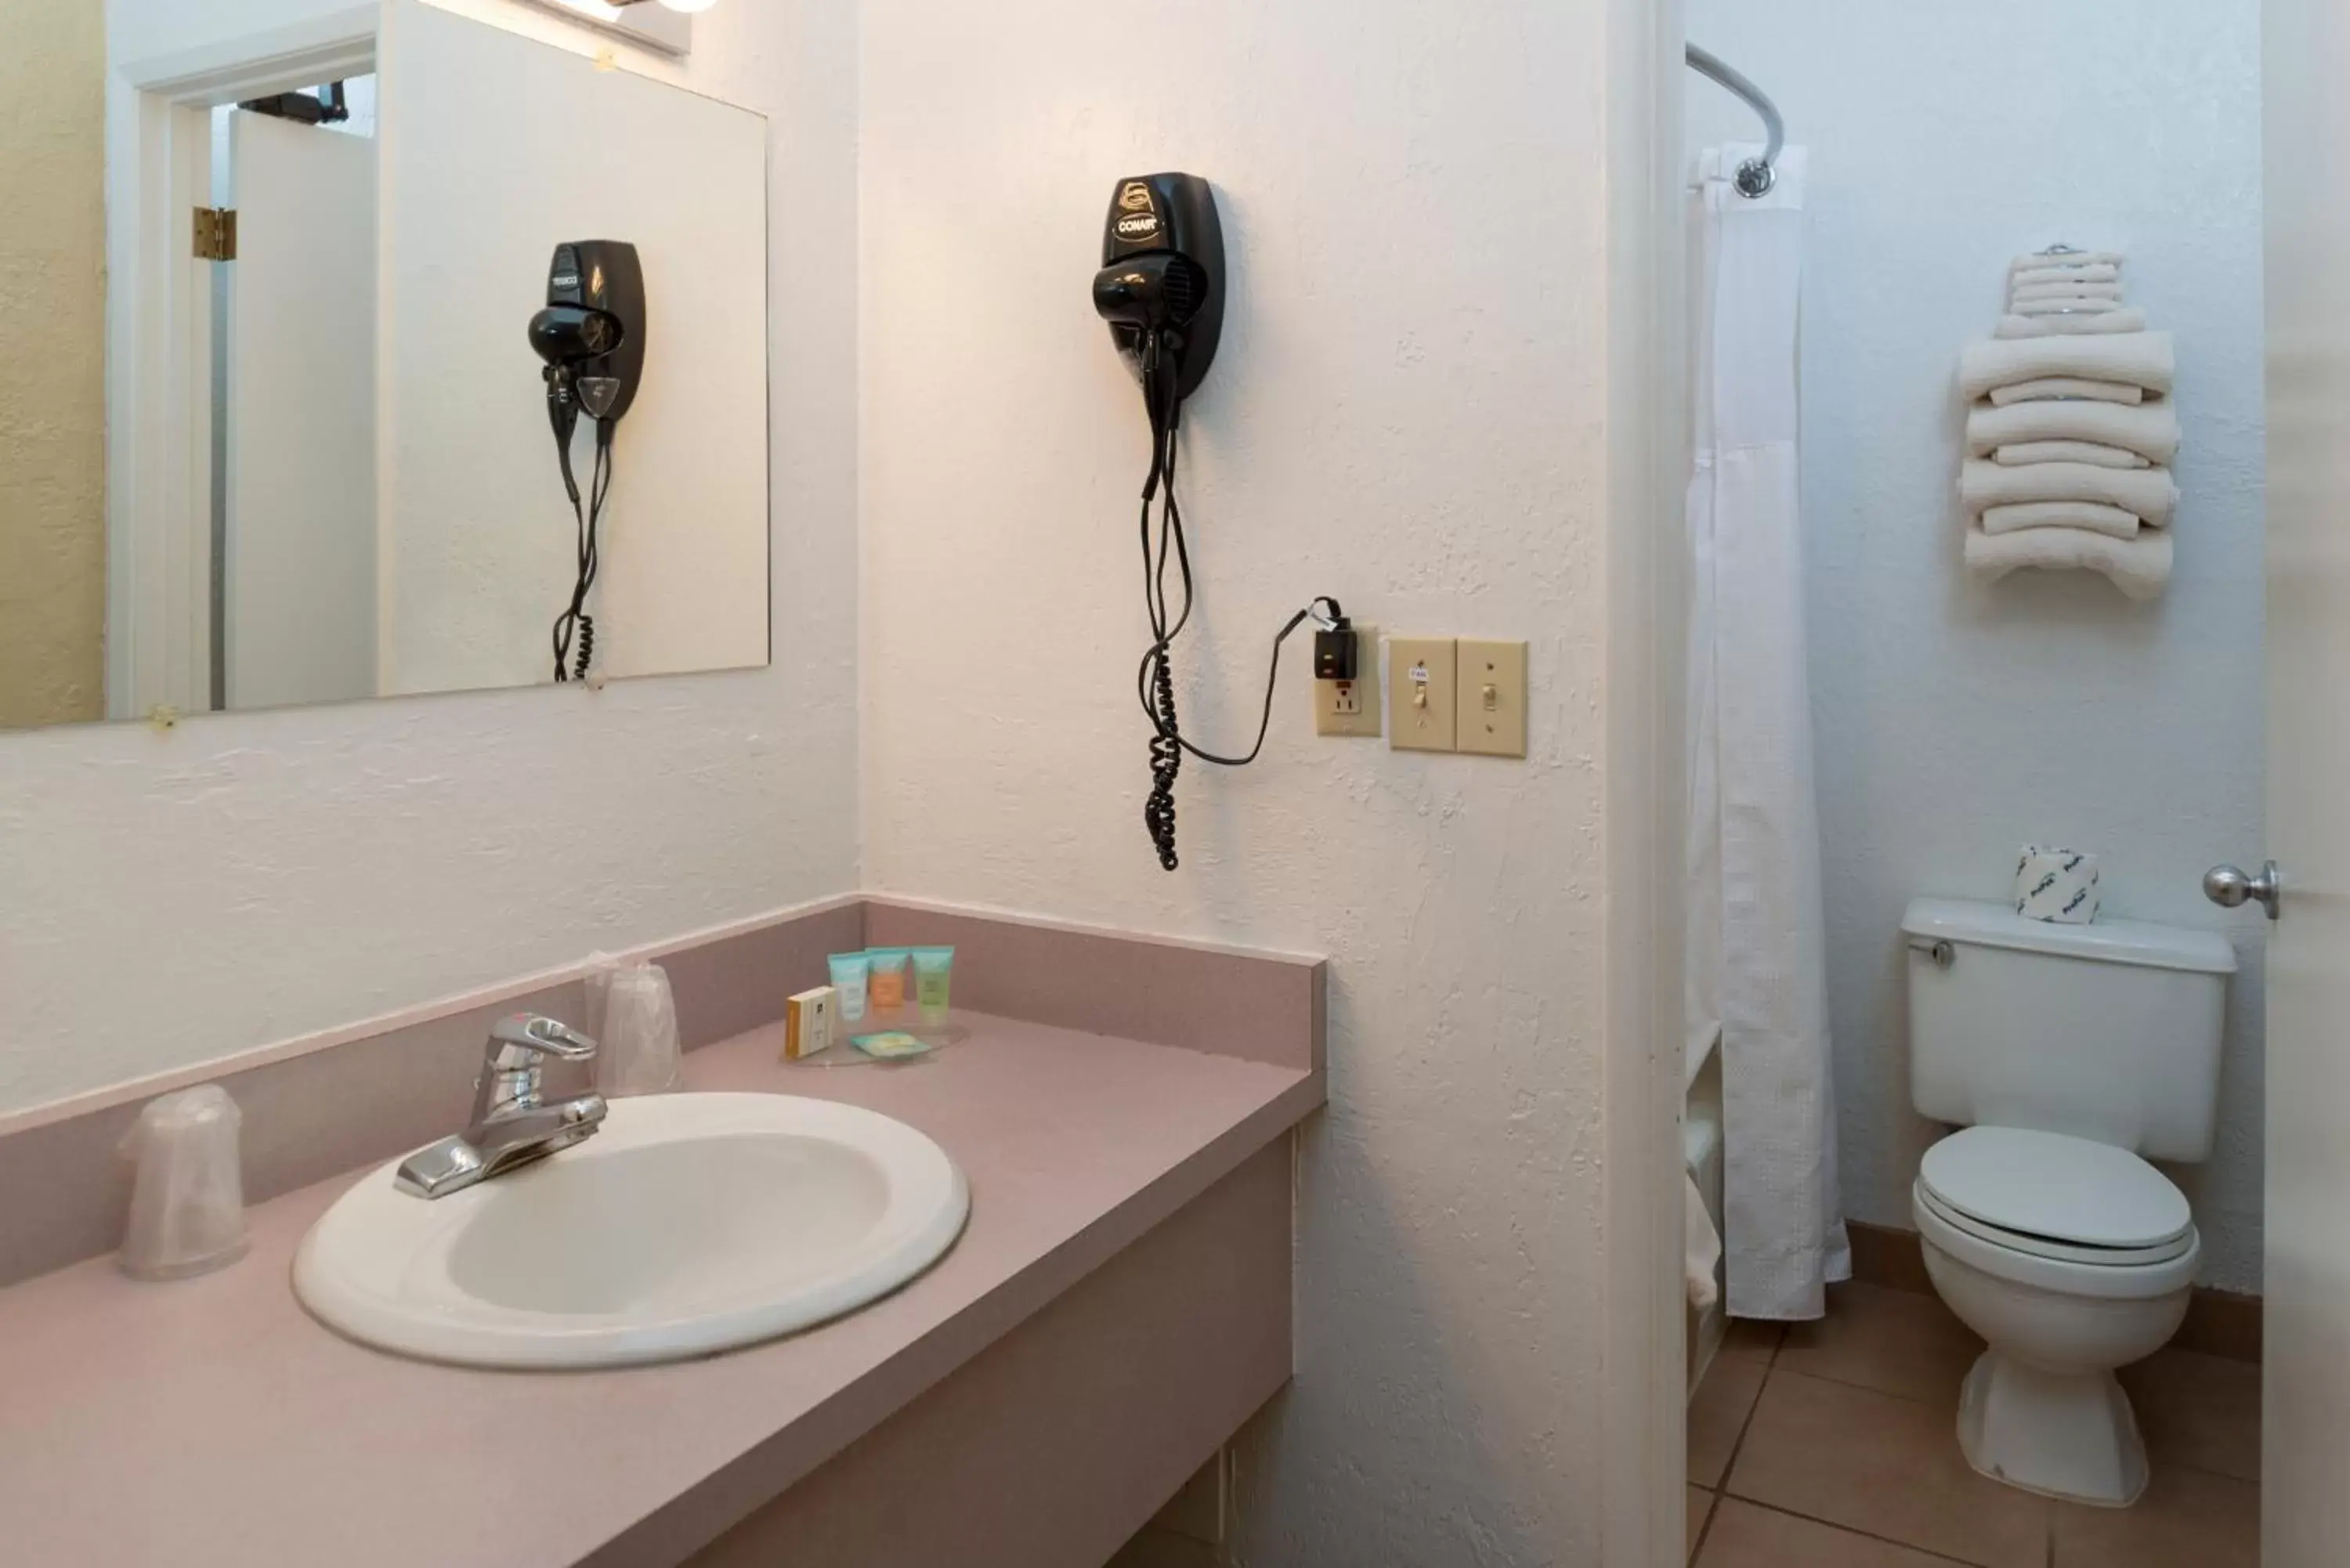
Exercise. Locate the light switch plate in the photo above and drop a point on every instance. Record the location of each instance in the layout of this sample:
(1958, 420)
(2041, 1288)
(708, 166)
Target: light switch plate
(1491, 710)
(1352, 707)
(1421, 689)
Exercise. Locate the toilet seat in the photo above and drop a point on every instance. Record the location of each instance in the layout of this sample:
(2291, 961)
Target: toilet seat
(2062, 1214)
(2042, 1190)
(2057, 1276)
(2048, 1246)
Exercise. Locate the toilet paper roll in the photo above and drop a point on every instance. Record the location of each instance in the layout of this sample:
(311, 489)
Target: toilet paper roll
(2059, 886)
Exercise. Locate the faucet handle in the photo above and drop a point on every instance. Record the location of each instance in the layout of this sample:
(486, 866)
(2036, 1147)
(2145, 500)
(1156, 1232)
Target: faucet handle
(518, 1046)
(523, 1039)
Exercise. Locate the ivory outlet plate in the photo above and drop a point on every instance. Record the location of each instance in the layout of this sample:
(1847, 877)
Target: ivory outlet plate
(1421, 692)
(1352, 707)
(1491, 703)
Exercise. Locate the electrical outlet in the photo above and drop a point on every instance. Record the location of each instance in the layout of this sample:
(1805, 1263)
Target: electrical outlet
(1490, 701)
(1421, 690)
(1352, 707)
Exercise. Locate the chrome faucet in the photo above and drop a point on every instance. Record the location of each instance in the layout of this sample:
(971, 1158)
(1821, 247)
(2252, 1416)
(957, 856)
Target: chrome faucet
(512, 1125)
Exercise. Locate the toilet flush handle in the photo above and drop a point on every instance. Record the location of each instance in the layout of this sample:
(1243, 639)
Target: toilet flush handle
(2232, 890)
(1940, 950)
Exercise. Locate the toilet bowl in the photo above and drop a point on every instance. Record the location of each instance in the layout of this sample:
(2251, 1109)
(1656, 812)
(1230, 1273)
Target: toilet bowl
(2071, 1257)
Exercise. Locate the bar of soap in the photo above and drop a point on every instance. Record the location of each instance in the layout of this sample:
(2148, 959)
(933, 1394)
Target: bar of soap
(890, 1045)
(807, 1022)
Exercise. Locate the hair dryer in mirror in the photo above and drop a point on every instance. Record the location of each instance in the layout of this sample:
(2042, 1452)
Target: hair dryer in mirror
(1162, 288)
(591, 336)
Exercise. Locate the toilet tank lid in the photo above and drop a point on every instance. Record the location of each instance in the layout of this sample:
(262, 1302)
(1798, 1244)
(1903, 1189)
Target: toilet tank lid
(2110, 941)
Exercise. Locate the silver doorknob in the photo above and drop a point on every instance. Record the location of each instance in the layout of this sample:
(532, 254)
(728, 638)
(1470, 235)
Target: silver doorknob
(2232, 890)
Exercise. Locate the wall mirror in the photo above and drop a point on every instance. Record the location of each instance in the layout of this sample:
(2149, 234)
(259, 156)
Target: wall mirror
(314, 332)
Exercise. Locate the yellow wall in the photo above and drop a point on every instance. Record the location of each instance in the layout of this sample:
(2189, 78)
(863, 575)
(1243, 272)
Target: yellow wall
(52, 361)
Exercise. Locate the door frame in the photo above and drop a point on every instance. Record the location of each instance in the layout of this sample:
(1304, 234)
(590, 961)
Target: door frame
(1645, 1370)
(158, 342)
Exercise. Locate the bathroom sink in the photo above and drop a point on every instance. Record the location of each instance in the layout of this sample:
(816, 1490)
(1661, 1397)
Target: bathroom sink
(691, 1224)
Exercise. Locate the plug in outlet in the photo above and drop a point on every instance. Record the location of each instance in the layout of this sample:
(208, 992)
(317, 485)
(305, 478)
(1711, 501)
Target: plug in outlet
(1352, 707)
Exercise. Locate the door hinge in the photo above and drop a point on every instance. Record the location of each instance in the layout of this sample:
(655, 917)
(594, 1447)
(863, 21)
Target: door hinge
(215, 230)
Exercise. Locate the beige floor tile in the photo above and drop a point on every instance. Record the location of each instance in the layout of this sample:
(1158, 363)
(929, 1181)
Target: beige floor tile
(1885, 1467)
(1892, 1341)
(2199, 1410)
(2187, 1519)
(1745, 1536)
(1718, 1415)
(1749, 1339)
(1700, 1503)
(1157, 1548)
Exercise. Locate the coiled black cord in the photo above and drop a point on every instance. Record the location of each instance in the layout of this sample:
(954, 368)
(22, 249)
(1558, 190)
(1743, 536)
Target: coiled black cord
(1155, 680)
(1157, 677)
(588, 515)
(1166, 762)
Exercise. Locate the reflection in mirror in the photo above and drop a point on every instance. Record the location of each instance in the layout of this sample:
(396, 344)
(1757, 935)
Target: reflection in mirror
(431, 359)
(291, 520)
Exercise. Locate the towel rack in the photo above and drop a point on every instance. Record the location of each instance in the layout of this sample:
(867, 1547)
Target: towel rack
(1756, 176)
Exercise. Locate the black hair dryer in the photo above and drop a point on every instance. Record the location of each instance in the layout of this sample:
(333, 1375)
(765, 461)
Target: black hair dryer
(592, 332)
(1161, 286)
(1161, 290)
(591, 336)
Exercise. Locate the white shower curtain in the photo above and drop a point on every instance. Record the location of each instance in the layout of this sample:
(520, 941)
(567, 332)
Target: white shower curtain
(1756, 953)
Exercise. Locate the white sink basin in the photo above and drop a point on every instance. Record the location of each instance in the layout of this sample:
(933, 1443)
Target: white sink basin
(692, 1223)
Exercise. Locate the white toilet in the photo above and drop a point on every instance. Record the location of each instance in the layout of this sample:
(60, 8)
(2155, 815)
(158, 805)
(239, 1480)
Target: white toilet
(2068, 1056)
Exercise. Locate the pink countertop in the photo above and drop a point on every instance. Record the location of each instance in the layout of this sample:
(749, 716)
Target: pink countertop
(213, 1422)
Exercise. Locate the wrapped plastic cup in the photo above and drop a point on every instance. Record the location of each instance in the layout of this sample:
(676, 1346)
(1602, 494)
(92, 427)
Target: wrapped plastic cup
(639, 1053)
(187, 1201)
(597, 985)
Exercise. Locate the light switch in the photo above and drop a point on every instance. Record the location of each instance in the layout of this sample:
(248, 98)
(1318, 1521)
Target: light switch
(1352, 707)
(1421, 678)
(1492, 698)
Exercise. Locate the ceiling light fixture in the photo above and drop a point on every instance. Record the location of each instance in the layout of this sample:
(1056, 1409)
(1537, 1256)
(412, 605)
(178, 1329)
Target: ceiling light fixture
(664, 28)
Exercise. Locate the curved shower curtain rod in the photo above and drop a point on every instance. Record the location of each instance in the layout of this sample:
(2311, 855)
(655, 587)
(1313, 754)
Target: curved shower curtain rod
(1756, 175)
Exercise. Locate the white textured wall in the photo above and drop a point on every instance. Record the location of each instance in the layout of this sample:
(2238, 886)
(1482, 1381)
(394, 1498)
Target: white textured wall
(1956, 723)
(1410, 413)
(173, 898)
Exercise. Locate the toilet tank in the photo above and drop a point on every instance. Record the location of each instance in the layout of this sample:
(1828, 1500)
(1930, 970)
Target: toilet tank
(2109, 1031)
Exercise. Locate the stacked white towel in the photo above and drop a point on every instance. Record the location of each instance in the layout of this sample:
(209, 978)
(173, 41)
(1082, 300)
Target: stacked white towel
(2070, 431)
(2055, 293)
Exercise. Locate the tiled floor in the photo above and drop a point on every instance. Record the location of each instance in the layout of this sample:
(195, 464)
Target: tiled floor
(1157, 1548)
(1833, 1445)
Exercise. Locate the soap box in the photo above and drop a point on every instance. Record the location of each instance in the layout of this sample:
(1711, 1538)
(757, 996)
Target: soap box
(807, 1022)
